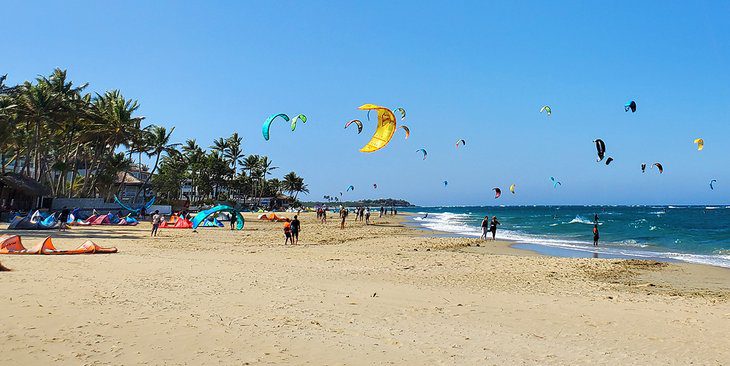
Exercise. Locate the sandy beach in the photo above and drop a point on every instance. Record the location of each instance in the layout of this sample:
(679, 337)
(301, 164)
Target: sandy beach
(381, 294)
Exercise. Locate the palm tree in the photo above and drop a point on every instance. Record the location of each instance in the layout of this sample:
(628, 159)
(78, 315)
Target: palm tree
(234, 151)
(159, 141)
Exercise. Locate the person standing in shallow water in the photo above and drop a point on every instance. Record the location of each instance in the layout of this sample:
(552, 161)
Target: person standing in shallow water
(493, 227)
(596, 236)
(485, 227)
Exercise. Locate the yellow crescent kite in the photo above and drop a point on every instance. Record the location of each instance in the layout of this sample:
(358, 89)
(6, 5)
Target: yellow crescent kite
(700, 144)
(384, 132)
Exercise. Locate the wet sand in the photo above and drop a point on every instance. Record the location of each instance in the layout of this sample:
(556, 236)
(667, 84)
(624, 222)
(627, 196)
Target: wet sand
(378, 294)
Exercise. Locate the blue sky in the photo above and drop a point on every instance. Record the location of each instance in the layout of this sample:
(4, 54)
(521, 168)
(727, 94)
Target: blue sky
(473, 70)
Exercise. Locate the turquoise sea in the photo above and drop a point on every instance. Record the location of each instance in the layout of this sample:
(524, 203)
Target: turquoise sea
(696, 234)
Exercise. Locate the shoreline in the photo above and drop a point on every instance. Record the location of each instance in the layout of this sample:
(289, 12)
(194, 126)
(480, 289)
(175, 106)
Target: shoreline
(377, 294)
(572, 252)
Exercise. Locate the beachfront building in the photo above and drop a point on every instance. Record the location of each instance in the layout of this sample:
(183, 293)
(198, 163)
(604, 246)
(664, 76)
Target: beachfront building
(18, 192)
(131, 184)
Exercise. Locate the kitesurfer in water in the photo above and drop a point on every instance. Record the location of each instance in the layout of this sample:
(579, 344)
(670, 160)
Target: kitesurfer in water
(595, 218)
(596, 236)
(493, 227)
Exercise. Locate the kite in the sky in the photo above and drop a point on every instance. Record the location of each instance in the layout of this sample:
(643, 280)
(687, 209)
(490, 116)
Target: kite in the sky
(700, 144)
(555, 182)
(446, 183)
(512, 188)
(425, 153)
(267, 124)
(375, 186)
(630, 106)
(402, 113)
(408, 131)
(643, 167)
(660, 167)
(300, 117)
(712, 182)
(600, 149)
(385, 130)
(497, 192)
(609, 160)
(350, 188)
(357, 122)
(460, 142)
(546, 109)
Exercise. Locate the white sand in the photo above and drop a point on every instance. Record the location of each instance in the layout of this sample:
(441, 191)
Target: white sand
(363, 296)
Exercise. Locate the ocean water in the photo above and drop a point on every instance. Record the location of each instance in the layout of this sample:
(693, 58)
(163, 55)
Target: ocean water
(684, 233)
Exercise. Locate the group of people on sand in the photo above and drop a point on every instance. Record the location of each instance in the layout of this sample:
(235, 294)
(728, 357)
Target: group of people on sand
(362, 213)
(384, 211)
(322, 214)
(291, 231)
(489, 227)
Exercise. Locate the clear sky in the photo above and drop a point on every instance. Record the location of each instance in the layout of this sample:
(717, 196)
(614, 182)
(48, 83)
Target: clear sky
(473, 70)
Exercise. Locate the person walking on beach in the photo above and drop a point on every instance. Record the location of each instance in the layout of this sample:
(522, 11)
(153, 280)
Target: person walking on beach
(343, 216)
(295, 228)
(485, 227)
(381, 211)
(324, 215)
(287, 232)
(156, 220)
(493, 227)
(596, 236)
(63, 219)
(367, 215)
(234, 219)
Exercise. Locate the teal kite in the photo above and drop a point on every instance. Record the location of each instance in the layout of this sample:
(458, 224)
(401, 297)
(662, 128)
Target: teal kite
(202, 215)
(267, 124)
(425, 153)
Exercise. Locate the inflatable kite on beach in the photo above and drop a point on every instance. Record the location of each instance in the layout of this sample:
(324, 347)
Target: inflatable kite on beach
(402, 113)
(512, 188)
(214, 211)
(425, 153)
(546, 109)
(357, 122)
(460, 142)
(497, 192)
(555, 182)
(600, 149)
(660, 167)
(630, 106)
(385, 130)
(299, 117)
(137, 210)
(713, 182)
(700, 144)
(408, 131)
(11, 244)
(267, 124)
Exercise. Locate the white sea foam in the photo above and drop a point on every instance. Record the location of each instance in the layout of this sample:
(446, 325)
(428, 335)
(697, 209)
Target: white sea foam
(581, 220)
